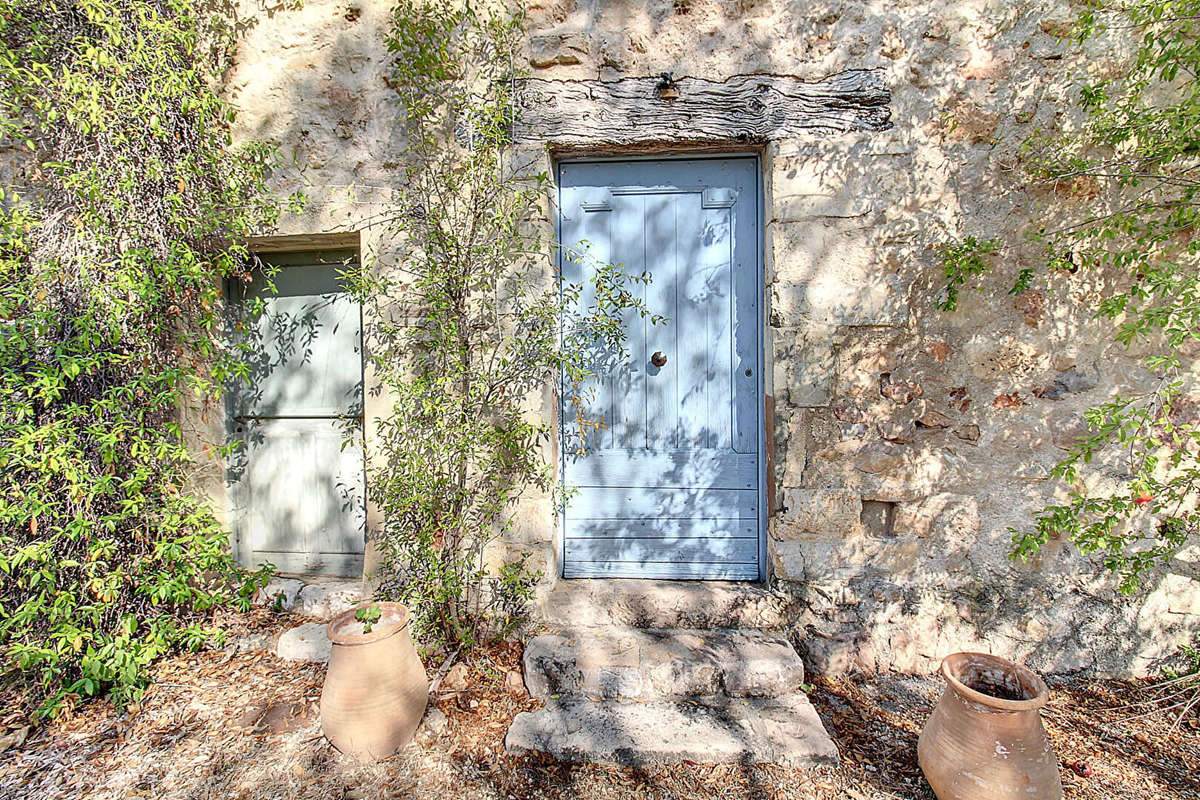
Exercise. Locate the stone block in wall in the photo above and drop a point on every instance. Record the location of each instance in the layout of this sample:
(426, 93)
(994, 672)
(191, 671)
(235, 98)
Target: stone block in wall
(1004, 358)
(533, 520)
(840, 654)
(1171, 596)
(811, 387)
(864, 355)
(830, 181)
(946, 516)
(528, 163)
(792, 443)
(839, 562)
(832, 274)
(817, 190)
(880, 470)
(557, 49)
(1050, 625)
(792, 559)
(804, 365)
(539, 556)
(841, 297)
(1182, 594)
(823, 512)
(804, 251)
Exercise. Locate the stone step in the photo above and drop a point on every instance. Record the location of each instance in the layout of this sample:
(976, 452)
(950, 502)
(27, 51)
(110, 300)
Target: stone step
(784, 730)
(307, 642)
(663, 604)
(634, 663)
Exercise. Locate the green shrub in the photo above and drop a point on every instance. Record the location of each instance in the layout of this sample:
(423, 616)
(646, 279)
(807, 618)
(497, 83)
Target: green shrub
(467, 330)
(113, 243)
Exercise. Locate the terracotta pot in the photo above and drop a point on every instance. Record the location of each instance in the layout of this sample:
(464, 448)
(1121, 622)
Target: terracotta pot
(375, 689)
(985, 740)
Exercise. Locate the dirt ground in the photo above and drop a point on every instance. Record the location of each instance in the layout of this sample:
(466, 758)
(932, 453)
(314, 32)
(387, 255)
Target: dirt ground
(220, 724)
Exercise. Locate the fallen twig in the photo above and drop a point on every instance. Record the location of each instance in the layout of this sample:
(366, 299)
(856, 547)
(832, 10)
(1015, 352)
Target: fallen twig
(441, 673)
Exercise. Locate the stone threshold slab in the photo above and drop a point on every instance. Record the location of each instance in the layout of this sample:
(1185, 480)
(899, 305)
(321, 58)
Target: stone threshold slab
(783, 730)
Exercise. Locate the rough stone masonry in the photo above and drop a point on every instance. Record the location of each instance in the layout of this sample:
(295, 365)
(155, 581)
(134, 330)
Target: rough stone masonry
(906, 441)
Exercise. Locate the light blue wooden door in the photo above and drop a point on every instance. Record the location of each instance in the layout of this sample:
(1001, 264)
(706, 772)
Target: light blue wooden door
(669, 486)
(297, 484)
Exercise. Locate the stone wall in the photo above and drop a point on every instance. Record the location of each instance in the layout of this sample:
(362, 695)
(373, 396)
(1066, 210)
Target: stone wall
(906, 440)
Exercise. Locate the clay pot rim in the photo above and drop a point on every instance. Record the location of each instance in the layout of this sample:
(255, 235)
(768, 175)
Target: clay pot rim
(997, 703)
(378, 633)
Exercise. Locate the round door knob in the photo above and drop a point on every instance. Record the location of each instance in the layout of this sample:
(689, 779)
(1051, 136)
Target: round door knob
(658, 359)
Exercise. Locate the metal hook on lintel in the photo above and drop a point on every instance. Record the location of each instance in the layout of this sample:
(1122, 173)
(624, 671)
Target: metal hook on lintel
(667, 88)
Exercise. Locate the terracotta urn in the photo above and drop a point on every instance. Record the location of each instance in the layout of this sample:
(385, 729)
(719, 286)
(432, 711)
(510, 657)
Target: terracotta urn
(985, 739)
(375, 689)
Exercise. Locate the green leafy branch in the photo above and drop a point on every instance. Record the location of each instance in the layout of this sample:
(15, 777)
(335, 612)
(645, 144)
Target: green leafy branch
(1125, 184)
(114, 238)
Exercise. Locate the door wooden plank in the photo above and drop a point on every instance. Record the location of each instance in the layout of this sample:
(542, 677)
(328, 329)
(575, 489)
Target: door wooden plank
(718, 284)
(585, 228)
(746, 345)
(332, 564)
(701, 549)
(663, 528)
(662, 400)
(690, 325)
(713, 469)
(613, 502)
(629, 379)
(696, 571)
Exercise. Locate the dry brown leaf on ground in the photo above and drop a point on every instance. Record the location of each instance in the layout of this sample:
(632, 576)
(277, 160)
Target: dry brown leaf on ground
(202, 731)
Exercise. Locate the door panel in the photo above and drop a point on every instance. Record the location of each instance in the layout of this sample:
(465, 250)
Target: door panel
(664, 570)
(661, 528)
(297, 483)
(303, 490)
(677, 447)
(658, 221)
(306, 347)
(628, 247)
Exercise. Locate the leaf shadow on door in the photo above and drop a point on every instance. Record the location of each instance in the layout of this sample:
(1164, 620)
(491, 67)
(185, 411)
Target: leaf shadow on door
(661, 481)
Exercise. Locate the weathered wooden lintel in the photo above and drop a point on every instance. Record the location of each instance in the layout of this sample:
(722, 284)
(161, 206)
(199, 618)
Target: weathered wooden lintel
(303, 241)
(743, 108)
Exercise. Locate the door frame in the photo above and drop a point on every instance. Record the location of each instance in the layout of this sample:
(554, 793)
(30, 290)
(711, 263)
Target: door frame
(609, 156)
(263, 249)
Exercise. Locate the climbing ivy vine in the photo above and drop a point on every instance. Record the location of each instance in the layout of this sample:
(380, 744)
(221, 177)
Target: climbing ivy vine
(120, 198)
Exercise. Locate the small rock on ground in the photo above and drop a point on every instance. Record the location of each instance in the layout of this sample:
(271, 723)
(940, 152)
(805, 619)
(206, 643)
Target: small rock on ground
(280, 593)
(456, 678)
(306, 642)
(328, 599)
(433, 725)
(514, 682)
(435, 720)
(14, 738)
(249, 643)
